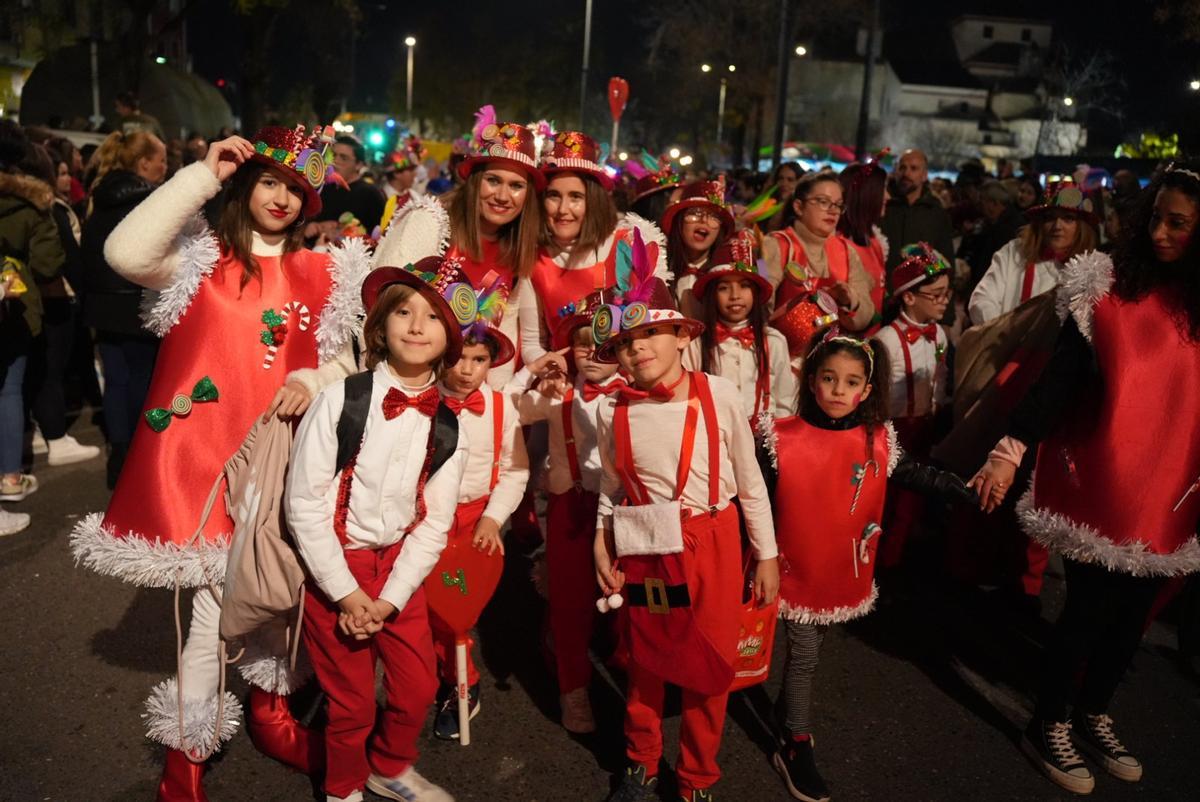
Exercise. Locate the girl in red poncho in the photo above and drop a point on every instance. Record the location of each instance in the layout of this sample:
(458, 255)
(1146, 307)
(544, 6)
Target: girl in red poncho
(252, 323)
(828, 469)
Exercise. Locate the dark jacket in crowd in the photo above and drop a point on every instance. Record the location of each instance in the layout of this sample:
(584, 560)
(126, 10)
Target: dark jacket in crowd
(978, 249)
(923, 221)
(364, 200)
(110, 302)
(29, 235)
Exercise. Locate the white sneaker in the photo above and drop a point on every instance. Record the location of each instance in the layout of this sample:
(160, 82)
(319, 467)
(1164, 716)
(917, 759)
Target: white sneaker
(353, 796)
(13, 522)
(37, 442)
(407, 787)
(66, 450)
(577, 712)
(19, 490)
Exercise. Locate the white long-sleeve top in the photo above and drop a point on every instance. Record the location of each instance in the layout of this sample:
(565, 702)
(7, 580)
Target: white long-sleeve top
(532, 406)
(739, 364)
(929, 379)
(656, 434)
(999, 291)
(383, 492)
(514, 461)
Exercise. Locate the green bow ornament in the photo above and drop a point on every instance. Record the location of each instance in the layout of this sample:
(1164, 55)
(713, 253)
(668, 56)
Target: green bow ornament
(181, 405)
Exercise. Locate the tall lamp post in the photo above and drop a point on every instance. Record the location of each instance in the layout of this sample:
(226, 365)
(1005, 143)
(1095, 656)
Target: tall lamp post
(706, 68)
(410, 42)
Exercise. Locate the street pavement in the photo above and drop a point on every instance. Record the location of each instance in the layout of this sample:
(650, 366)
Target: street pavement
(922, 700)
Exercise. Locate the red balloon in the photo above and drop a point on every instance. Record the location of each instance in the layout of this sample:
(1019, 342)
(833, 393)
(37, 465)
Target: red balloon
(462, 583)
(618, 95)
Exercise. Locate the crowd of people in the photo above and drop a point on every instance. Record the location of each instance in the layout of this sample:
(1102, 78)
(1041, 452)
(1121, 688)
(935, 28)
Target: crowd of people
(688, 385)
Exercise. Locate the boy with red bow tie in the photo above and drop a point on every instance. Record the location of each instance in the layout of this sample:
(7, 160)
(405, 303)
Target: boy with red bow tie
(493, 483)
(675, 449)
(573, 484)
(918, 383)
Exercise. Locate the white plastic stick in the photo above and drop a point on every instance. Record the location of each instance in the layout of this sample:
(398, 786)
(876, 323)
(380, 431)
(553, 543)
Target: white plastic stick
(464, 692)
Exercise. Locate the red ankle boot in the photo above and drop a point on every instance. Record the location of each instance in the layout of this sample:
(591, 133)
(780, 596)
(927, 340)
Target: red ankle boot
(181, 779)
(276, 733)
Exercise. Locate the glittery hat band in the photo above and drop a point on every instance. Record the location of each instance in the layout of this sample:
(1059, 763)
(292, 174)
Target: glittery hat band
(834, 335)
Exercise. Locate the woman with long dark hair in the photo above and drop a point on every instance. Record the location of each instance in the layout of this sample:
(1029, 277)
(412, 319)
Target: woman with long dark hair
(865, 188)
(1116, 421)
(246, 315)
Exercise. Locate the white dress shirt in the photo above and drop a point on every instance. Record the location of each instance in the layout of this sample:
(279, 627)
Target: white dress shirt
(514, 461)
(383, 491)
(999, 291)
(929, 379)
(739, 364)
(656, 434)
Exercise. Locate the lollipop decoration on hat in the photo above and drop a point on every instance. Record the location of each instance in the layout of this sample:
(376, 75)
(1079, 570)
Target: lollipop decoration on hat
(309, 155)
(504, 144)
(479, 314)
(1066, 197)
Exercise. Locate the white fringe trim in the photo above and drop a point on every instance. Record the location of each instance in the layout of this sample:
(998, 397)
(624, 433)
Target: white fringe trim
(1086, 278)
(650, 233)
(883, 241)
(341, 318)
(419, 228)
(199, 718)
(769, 436)
(272, 673)
(895, 452)
(836, 615)
(145, 563)
(1085, 544)
(198, 253)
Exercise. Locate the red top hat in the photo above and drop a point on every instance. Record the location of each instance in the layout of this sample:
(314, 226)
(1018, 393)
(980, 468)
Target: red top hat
(433, 277)
(654, 306)
(650, 175)
(921, 262)
(306, 159)
(735, 258)
(508, 145)
(701, 194)
(575, 152)
(478, 314)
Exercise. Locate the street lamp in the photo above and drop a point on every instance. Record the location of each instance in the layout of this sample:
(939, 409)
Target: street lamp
(1194, 86)
(705, 68)
(1068, 101)
(674, 153)
(410, 42)
(801, 50)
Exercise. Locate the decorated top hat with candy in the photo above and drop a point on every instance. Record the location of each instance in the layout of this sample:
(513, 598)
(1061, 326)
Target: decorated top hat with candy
(650, 175)
(508, 145)
(921, 262)
(708, 195)
(734, 258)
(576, 152)
(434, 278)
(1069, 199)
(305, 158)
(479, 313)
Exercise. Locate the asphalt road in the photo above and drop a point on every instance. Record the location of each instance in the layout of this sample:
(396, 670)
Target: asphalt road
(922, 700)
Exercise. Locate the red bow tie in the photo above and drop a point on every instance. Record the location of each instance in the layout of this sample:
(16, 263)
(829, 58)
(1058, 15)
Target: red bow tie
(396, 402)
(744, 335)
(914, 333)
(591, 390)
(472, 403)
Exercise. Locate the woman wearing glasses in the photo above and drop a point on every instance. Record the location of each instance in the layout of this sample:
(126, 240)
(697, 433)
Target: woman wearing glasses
(806, 254)
(695, 224)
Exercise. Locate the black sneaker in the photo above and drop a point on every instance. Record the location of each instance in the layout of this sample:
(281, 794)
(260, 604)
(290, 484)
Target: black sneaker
(635, 786)
(797, 765)
(1098, 742)
(445, 726)
(1048, 744)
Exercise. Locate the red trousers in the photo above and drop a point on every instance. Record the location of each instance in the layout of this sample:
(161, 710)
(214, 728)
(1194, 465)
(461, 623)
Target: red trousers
(571, 569)
(346, 670)
(712, 556)
(466, 518)
(903, 509)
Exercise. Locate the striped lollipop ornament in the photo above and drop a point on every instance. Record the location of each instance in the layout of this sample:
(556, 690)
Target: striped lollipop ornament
(276, 329)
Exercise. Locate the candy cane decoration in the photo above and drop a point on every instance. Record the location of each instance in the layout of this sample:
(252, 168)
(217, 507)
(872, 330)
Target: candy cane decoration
(304, 319)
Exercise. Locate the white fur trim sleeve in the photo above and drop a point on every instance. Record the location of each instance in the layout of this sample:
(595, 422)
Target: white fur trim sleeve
(833, 615)
(273, 673)
(650, 233)
(1086, 279)
(895, 452)
(196, 254)
(144, 247)
(199, 718)
(419, 228)
(342, 316)
(1081, 542)
(883, 241)
(147, 563)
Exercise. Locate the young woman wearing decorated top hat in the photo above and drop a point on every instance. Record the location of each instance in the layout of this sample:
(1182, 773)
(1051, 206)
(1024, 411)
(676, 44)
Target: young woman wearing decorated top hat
(246, 315)
(695, 224)
(581, 235)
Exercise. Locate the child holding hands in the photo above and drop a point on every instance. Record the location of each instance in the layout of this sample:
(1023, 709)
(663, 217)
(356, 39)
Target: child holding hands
(370, 518)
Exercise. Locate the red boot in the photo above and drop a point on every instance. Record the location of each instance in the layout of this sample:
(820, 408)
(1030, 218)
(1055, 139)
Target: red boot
(181, 779)
(276, 733)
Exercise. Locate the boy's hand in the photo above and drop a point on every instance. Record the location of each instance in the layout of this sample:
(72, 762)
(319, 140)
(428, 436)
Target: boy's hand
(487, 536)
(356, 612)
(608, 575)
(291, 400)
(381, 610)
(766, 581)
(550, 363)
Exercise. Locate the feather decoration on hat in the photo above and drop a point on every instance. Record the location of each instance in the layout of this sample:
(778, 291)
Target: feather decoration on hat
(762, 207)
(486, 116)
(634, 271)
(635, 169)
(651, 162)
(489, 310)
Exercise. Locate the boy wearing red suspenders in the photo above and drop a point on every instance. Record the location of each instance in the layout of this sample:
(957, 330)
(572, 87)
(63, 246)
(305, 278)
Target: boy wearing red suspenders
(675, 447)
(493, 481)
